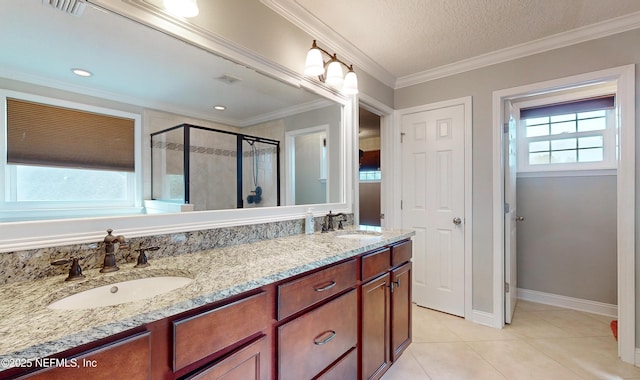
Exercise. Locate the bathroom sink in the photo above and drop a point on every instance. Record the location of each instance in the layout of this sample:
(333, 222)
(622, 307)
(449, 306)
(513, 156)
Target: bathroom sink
(358, 234)
(120, 292)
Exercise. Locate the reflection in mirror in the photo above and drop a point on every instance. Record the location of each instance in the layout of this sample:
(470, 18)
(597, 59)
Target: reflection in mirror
(310, 168)
(212, 169)
(165, 82)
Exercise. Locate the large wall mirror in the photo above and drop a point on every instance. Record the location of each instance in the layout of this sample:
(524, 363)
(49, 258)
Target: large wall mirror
(162, 84)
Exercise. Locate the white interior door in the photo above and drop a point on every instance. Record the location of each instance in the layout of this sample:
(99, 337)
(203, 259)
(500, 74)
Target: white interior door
(510, 216)
(433, 191)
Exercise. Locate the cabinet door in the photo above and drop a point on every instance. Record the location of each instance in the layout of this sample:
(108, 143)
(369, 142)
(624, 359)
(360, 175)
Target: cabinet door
(375, 327)
(248, 363)
(400, 310)
(128, 358)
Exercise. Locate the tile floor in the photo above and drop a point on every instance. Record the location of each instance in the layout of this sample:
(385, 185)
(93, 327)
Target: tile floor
(543, 343)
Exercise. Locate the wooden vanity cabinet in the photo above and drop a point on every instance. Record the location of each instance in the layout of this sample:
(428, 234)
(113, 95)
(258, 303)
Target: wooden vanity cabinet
(318, 326)
(346, 320)
(385, 327)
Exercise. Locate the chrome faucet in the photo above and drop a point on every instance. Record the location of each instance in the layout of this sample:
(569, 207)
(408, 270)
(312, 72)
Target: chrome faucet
(110, 257)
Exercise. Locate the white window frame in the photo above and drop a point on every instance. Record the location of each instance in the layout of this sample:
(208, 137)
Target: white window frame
(609, 135)
(28, 210)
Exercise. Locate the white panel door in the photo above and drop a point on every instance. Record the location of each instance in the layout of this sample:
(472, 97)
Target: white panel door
(510, 217)
(433, 205)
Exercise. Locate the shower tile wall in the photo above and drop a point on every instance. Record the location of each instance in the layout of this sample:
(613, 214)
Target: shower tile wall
(267, 175)
(213, 170)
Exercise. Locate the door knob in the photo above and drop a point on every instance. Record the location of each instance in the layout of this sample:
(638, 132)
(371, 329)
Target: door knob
(519, 218)
(457, 221)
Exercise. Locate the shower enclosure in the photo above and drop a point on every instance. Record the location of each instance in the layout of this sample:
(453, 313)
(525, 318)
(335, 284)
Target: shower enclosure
(214, 169)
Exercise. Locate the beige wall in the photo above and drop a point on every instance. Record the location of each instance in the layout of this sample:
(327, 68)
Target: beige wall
(567, 242)
(607, 52)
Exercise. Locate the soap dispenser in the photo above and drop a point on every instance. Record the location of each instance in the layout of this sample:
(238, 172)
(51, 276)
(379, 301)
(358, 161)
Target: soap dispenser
(309, 222)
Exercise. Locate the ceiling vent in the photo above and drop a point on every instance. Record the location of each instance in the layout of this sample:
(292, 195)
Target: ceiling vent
(228, 79)
(74, 7)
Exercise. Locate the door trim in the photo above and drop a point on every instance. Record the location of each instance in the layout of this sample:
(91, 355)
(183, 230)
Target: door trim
(388, 152)
(467, 103)
(624, 76)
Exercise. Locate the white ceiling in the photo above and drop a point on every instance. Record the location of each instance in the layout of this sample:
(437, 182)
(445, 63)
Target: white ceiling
(407, 41)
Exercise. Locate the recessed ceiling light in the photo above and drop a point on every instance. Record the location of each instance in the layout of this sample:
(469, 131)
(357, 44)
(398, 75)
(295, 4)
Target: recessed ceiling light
(81, 72)
(182, 8)
(220, 108)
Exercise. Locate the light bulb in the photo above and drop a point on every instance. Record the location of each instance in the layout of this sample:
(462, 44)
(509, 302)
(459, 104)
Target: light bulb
(350, 86)
(182, 8)
(334, 75)
(314, 65)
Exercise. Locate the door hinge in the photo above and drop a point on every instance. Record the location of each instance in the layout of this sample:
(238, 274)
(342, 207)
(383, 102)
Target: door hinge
(506, 128)
(507, 207)
(402, 137)
(401, 204)
(506, 287)
(381, 216)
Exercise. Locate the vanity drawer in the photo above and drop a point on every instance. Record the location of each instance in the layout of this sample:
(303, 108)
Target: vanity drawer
(249, 362)
(296, 295)
(127, 358)
(400, 253)
(309, 344)
(376, 263)
(346, 368)
(203, 334)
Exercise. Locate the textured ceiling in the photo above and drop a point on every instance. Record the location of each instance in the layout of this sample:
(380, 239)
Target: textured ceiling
(406, 37)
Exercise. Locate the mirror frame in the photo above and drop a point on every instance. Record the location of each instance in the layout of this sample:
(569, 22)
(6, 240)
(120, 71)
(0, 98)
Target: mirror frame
(16, 236)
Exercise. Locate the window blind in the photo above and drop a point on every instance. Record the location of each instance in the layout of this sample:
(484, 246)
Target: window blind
(574, 106)
(46, 135)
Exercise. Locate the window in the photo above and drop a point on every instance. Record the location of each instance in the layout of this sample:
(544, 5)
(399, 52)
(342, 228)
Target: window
(571, 135)
(370, 176)
(63, 159)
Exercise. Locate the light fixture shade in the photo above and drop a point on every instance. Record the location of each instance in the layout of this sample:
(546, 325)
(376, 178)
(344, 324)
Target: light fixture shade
(314, 65)
(350, 86)
(334, 75)
(182, 8)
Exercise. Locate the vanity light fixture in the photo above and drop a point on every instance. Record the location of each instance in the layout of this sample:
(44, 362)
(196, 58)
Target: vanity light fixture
(182, 8)
(81, 72)
(333, 77)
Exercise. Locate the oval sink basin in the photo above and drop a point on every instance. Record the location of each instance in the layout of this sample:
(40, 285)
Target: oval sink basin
(359, 235)
(120, 292)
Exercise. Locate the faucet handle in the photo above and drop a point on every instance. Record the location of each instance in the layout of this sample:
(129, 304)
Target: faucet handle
(142, 257)
(75, 271)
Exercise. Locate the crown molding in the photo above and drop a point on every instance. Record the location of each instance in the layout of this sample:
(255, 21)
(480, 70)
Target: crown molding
(299, 16)
(571, 37)
(328, 38)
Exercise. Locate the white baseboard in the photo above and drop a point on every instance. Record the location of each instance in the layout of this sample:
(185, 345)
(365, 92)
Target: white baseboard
(569, 303)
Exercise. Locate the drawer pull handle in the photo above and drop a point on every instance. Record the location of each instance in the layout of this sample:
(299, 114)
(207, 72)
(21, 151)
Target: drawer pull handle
(332, 334)
(322, 289)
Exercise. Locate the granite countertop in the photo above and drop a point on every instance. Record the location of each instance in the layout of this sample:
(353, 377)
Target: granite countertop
(29, 330)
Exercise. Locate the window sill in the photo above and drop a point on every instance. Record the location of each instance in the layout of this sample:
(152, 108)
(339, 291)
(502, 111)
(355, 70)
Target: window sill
(567, 173)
